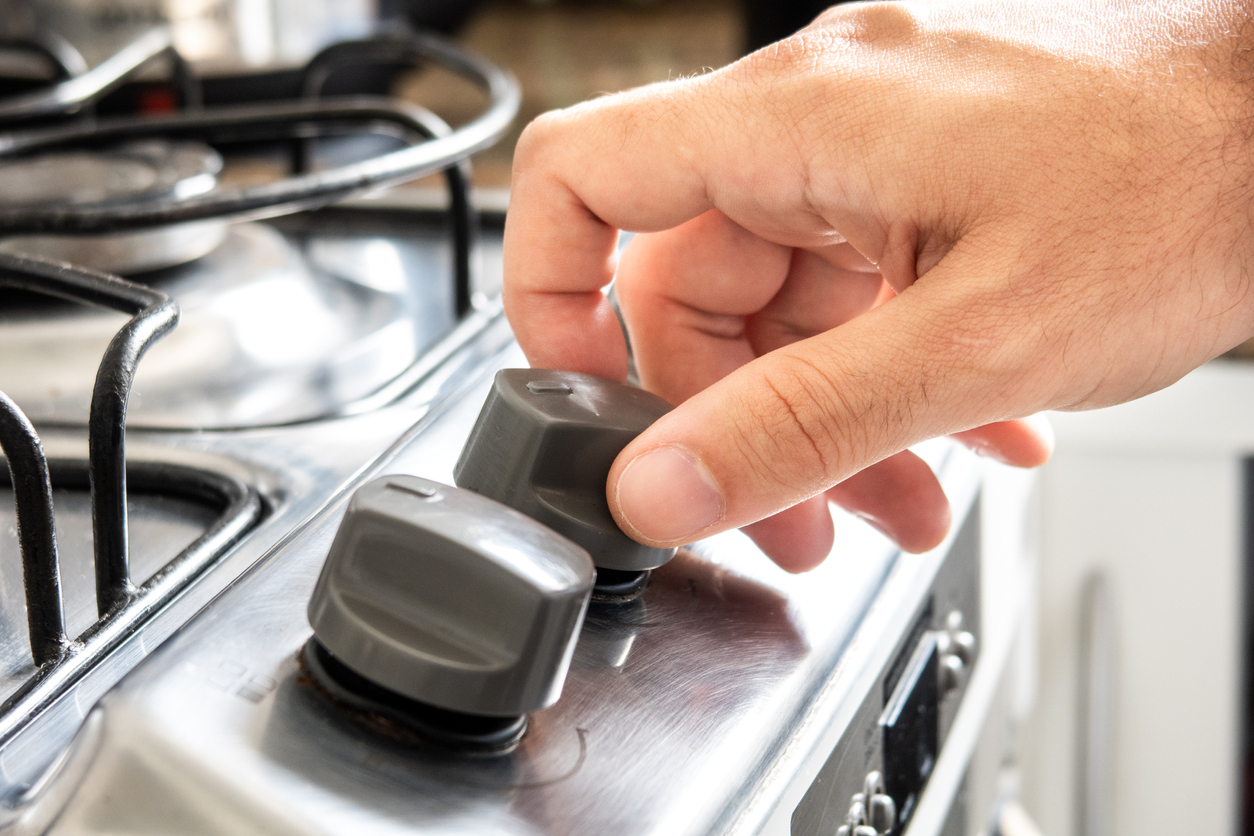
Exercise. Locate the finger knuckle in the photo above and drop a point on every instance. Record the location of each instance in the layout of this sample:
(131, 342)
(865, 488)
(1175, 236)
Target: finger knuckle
(537, 138)
(880, 25)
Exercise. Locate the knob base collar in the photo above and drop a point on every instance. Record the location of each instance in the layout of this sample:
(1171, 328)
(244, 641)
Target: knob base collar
(619, 585)
(453, 730)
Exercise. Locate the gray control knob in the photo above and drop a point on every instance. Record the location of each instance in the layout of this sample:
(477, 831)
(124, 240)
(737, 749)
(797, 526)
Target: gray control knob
(544, 443)
(448, 598)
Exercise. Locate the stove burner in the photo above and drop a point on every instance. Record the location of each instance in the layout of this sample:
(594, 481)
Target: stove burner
(148, 169)
(277, 329)
(432, 145)
(464, 733)
(151, 169)
(278, 325)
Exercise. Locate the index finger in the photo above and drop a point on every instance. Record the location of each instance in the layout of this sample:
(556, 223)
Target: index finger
(647, 160)
(579, 176)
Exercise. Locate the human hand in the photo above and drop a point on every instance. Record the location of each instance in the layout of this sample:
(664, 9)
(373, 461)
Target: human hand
(1058, 194)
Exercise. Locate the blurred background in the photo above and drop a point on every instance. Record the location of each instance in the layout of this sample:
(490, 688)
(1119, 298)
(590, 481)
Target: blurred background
(1134, 710)
(562, 51)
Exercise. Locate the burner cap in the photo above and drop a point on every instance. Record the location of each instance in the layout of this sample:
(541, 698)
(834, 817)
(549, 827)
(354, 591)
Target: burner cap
(149, 170)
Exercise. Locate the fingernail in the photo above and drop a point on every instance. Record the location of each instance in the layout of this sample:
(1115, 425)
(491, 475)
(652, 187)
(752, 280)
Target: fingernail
(982, 448)
(876, 524)
(667, 496)
(1040, 423)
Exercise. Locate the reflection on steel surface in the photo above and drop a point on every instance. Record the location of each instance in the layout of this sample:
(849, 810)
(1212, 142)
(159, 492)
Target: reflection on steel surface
(238, 509)
(275, 328)
(674, 710)
(296, 469)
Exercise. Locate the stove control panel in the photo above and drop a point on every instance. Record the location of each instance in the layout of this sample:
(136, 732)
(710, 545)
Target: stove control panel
(872, 812)
(446, 611)
(543, 444)
(877, 772)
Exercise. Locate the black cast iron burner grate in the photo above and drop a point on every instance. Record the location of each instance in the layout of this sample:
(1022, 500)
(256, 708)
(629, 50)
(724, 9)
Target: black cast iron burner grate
(63, 119)
(121, 605)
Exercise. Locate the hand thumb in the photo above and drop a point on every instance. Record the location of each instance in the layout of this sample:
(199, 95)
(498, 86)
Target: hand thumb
(801, 419)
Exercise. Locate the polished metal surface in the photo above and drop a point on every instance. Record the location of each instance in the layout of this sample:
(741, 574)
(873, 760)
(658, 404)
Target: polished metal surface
(275, 328)
(677, 709)
(151, 168)
(296, 469)
(124, 253)
(161, 526)
(236, 509)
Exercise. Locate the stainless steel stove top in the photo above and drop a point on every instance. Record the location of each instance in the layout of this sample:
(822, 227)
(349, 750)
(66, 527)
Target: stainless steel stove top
(294, 469)
(676, 707)
(691, 710)
(320, 349)
(282, 322)
(162, 489)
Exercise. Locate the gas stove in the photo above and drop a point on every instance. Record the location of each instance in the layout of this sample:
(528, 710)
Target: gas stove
(285, 360)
